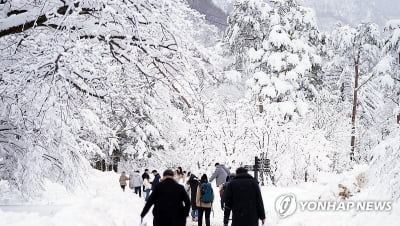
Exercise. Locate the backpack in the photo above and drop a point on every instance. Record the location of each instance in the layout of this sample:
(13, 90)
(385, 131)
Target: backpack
(206, 193)
(222, 189)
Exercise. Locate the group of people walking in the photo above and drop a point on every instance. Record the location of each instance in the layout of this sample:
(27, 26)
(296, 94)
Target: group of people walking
(138, 183)
(240, 195)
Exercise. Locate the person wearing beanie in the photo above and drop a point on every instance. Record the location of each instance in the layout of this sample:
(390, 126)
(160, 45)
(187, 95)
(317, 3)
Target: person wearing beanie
(204, 200)
(170, 200)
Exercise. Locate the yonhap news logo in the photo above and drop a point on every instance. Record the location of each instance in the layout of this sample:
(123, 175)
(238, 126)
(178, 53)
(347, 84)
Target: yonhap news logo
(287, 204)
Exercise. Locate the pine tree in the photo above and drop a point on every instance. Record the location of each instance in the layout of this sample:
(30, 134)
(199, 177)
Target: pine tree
(286, 68)
(247, 27)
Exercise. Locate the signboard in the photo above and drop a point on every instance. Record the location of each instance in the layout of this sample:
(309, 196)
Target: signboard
(263, 166)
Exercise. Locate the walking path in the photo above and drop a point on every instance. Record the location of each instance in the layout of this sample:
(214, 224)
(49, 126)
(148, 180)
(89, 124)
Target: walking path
(103, 203)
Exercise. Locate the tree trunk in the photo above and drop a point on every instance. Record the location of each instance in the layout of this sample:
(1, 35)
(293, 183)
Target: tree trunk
(354, 111)
(260, 105)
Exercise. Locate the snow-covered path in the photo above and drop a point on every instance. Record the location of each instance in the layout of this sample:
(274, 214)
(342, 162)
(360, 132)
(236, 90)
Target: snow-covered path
(104, 204)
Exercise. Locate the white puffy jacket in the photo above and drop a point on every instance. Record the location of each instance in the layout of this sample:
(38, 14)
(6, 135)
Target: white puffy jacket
(135, 180)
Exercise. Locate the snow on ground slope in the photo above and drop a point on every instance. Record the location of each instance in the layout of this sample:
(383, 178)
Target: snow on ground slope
(326, 189)
(104, 204)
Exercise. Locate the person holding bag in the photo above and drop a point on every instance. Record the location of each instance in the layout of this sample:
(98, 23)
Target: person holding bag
(204, 200)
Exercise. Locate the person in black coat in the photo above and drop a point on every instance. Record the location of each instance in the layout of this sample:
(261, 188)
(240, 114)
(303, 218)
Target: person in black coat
(156, 179)
(171, 202)
(193, 182)
(243, 198)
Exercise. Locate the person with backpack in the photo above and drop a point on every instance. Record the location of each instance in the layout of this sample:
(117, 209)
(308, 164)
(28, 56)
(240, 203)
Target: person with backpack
(136, 182)
(193, 184)
(204, 200)
(243, 197)
(222, 188)
(227, 211)
(170, 200)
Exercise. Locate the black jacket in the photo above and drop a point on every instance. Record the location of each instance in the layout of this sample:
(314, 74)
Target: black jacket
(193, 183)
(243, 197)
(156, 180)
(171, 204)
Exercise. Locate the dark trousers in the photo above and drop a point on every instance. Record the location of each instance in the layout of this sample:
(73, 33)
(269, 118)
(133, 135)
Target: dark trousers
(207, 212)
(169, 222)
(138, 190)
(227, 213)
(123, 187)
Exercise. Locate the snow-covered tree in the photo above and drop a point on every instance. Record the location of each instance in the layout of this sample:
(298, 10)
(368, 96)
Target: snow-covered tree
(360, 48)
(92, 79)
(247, 27)
(285, 68)
(391, 66)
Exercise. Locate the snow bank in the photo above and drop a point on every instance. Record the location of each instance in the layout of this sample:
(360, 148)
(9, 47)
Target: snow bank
(325, 187)
(101, 203)
(385, 167)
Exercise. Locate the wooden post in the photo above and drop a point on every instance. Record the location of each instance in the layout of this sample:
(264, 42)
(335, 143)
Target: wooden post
(256, 167)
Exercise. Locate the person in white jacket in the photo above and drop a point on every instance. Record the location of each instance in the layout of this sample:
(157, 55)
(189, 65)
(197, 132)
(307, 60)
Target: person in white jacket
(147, 188)
(136, 182)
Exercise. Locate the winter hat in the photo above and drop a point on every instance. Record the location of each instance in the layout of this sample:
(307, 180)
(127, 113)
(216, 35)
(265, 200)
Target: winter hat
(168, 172)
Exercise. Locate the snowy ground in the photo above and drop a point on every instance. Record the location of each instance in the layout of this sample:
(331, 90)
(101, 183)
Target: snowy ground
(103, 203)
